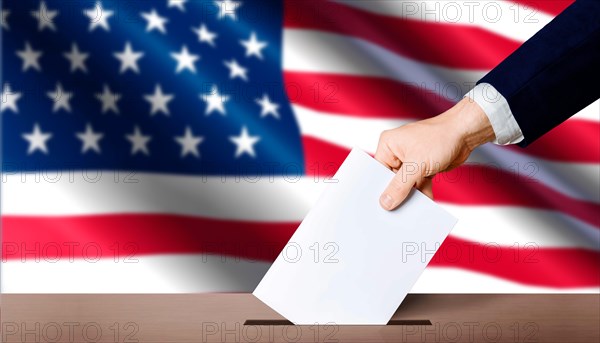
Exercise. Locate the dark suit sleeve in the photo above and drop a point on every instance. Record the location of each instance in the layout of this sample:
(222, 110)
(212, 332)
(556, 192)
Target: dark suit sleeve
(555, 74)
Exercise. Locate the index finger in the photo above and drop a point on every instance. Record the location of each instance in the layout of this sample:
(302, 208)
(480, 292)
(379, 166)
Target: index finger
(387, 157)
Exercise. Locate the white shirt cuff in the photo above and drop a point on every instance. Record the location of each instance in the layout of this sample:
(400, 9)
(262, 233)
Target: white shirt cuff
(498, 112)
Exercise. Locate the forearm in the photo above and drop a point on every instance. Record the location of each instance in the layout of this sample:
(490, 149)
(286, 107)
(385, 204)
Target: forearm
(555, 73)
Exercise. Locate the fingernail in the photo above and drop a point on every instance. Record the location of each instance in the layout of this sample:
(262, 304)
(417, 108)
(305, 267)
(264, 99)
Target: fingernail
(386, 201)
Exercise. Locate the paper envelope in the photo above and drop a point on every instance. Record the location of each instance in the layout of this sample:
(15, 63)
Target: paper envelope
(350, 261)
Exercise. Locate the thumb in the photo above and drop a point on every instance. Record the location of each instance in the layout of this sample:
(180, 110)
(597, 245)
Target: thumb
(407, 176)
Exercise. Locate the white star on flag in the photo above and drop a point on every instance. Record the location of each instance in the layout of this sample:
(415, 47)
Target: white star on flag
(99, 17)
(61, 98)
(37, 140)
(30, 57)
(139, 142)
(227, 8)
(9, 99)
(185, 60)
(180, 4)
(159, 101)
(155, 21)
(129, 58)
(254, 46)
(244, 143)
(45, 17)
(77, 58)
(90, 139)
(236, 70)
(268, 107)
(189, 143)
(215, 101)
(109, 100)
(204, 35)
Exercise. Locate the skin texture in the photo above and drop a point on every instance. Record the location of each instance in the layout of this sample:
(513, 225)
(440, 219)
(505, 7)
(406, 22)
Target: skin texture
(418, 151)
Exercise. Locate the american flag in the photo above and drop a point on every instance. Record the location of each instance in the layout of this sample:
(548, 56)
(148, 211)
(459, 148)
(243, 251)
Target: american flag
(175, 145)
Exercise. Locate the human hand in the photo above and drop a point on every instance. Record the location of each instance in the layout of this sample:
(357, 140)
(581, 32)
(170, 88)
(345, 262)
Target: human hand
(418, 151)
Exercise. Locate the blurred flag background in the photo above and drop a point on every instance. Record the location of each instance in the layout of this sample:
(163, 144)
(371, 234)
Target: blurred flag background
(175, 145)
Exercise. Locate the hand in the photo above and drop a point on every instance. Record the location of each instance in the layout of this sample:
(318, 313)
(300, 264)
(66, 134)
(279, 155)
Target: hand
(418, 151)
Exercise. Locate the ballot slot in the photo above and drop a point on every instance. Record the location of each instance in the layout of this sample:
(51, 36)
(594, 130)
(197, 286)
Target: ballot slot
(269, 322)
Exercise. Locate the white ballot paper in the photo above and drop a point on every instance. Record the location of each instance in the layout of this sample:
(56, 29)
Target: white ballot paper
(350, 261)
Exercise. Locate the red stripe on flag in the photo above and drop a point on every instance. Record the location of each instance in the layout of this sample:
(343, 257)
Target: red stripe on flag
(555, 267)
(129, 236)
(451, 45)
(553, 7)
(487, 185)
(469, 184)
(122, 235)
(318, 153)
(362, 96)
(575, 140)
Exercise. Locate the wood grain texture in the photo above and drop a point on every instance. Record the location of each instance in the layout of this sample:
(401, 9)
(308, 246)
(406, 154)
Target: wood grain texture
(221, 318)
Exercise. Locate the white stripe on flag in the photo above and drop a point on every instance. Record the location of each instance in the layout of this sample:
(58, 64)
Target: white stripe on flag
(280, 201)
(504, 18)
(208, 273)
(591, 112)
(507, 226)
(368, 59)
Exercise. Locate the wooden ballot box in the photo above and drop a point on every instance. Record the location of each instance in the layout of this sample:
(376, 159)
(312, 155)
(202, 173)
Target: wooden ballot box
(243, 318)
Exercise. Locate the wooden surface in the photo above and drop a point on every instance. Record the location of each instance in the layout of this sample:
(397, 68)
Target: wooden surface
(221, 318)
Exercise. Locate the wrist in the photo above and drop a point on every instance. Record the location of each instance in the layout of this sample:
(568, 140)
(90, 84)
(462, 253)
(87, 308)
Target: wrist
(471, 123)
